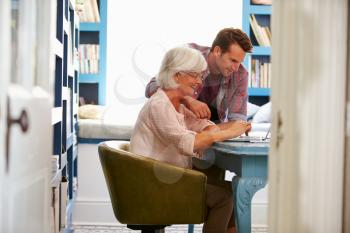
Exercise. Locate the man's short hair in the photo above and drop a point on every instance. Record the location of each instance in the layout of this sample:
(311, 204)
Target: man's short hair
(228, 36)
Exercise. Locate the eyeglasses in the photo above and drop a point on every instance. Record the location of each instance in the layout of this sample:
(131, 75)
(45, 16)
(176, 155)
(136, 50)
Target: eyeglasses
(193, 74)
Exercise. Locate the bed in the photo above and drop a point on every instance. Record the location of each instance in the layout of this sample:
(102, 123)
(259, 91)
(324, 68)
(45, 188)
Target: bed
(94, 131)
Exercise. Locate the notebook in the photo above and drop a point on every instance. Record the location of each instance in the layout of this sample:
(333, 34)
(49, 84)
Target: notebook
(258, 136)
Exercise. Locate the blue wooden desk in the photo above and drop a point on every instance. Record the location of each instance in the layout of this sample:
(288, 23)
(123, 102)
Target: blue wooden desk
(249, 162)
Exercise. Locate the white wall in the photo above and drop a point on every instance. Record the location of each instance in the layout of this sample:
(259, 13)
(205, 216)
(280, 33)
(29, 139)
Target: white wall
(140, 32)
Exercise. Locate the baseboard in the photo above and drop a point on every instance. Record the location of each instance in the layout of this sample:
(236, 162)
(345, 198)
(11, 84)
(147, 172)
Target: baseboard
(93, 212)
(259, 214)
(259, 229)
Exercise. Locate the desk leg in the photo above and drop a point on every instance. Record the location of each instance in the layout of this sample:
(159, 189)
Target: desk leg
(243, 190)
(190, 228)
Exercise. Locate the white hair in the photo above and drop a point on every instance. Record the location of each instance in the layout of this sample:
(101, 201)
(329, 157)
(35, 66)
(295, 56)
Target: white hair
(176, 60)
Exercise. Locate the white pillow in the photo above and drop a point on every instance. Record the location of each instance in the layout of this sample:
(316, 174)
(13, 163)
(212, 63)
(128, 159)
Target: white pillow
(90, 111)
(251, 110)
(263, 115)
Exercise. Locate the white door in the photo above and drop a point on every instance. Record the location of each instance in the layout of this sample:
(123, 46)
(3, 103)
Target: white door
(25, 115)
(306, 160)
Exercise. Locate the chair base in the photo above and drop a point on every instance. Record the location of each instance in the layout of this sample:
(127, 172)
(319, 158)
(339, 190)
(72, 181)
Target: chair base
(148, 228)
(153, 231)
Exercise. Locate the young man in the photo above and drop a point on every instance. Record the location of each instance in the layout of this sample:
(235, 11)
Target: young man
(224, 93)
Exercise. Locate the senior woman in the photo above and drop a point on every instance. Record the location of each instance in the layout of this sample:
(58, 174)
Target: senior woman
(167, 131)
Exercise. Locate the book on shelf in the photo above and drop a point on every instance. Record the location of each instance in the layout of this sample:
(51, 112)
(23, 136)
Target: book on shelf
(89, 58)
(260, 74)
(96, 13)
(262, 2)
(262, 34)
(79, 7)
(64, 202)
(268, 33)
(88, 11)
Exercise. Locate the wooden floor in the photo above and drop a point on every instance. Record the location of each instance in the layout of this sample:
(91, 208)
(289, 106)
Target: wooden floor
(171, 229)
(123, 229)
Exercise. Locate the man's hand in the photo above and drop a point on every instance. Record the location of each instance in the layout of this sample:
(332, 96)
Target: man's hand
(200, 109)
(249, 128)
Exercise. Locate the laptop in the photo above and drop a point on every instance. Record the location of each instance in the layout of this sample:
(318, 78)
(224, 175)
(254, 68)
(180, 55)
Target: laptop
(253, 137)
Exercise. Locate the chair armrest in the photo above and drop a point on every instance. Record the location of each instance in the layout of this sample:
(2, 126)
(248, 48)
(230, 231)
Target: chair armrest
(147, 191)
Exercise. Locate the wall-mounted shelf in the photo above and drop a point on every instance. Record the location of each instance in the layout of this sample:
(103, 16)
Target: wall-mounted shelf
(72, 4)
(256, 24)
(65, 93)
(69, 141)
(94, 33)
(75, 154)
(56, 115)
(259, 91)
(259, 9)
(89, 78)
(90, 26)
(261, 50)
(65, 26)
(64, 110)
(58, 48)
(56, 179)
(63, 162)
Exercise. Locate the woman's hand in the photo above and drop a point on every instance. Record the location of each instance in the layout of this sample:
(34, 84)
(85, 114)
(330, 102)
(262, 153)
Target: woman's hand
(239, 127)
(221, 132)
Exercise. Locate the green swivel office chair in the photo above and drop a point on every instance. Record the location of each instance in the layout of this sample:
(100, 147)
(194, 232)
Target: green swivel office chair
(149, 195)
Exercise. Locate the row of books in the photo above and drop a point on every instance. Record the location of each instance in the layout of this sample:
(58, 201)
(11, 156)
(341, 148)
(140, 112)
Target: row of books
(262, 34)
(88, 11)
(89, 58)
(260, 74)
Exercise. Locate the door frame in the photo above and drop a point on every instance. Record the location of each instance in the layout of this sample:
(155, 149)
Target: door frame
(5, 58)
(346, 198)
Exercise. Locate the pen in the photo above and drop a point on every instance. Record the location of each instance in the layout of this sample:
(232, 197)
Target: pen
(267, 134)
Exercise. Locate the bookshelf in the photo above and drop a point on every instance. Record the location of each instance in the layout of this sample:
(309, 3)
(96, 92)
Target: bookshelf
(64, 114)
(256, 23)
(92, 78)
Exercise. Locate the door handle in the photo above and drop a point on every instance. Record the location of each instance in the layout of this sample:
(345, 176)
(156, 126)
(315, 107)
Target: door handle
(22, 121)
(279, 137)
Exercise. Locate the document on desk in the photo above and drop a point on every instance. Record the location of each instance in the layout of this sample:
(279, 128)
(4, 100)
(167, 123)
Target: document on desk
(229, 175)
(259, 133)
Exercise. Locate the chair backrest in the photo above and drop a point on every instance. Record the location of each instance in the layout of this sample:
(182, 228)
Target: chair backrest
(147, 191)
